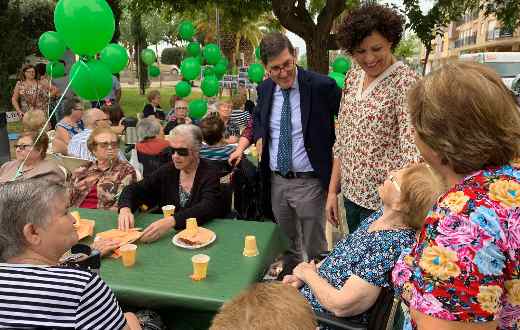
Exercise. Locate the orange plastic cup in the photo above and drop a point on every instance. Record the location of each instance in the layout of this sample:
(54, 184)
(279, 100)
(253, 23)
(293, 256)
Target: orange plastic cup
(191, 226)
(250, 248)
(200, 266)
(128, 254)
(168, 210)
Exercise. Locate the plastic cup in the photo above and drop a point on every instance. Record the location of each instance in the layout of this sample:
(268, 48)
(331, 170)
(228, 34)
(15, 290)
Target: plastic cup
(128, 254)
(191, 226)
(200, 266)
(250, 248)
(75, 215)
(168, 210)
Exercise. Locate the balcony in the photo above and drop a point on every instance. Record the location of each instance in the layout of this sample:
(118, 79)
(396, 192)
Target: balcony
(499, 33)
(467, 41)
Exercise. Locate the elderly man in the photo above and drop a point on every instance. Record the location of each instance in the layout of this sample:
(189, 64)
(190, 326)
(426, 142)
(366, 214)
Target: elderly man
(295, 119)
(92, 118)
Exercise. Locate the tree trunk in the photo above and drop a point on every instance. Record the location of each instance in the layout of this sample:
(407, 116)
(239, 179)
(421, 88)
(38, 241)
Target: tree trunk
(115, 5)
(318, 53)
(140, 44)
(426, 56)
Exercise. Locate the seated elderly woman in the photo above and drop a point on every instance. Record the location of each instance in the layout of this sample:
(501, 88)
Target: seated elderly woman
(151, 151)
(349, 280)
(30, 161)
(188, 182)
(97, 184)
(464, 271)
(37, 230)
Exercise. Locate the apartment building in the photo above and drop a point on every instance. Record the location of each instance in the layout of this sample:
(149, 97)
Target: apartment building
(473, 33)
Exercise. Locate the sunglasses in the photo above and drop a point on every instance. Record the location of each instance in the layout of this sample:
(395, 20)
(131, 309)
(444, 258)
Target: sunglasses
(105, 145)
(183, 152)
(22, 146)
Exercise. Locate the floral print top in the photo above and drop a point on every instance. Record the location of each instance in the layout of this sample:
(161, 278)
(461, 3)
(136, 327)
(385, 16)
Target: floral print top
(33, 96)
(374, 134)
(368, 255)
(465, 266)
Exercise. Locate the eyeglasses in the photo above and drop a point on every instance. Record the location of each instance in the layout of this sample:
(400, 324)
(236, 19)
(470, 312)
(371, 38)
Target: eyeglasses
(181, 108)
(287, 66)
(183, 152)
(394, 181)
(105, 145)
(104, 119)
(22, 146)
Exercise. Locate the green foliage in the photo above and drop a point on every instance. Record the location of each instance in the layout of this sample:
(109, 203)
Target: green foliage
(173, 55)
(302, 61)
(506, 11)
(409, 46)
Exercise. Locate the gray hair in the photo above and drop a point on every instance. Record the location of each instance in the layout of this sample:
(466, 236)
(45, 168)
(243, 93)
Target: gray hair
(148, 128)
(189, 131)
(89, 117)
(273, 44)
(21, 203)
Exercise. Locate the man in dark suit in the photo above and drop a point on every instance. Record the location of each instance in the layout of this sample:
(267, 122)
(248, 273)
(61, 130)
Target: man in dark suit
(294, 118)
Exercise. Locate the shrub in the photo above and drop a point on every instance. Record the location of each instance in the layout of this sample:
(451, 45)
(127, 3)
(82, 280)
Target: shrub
(172, 56)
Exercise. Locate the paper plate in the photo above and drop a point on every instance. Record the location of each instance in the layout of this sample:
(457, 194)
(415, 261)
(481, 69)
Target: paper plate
(176, 241)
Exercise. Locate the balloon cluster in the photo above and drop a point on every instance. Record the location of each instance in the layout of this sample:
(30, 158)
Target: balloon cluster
(340, 67)
(256, 71)
(191, 68)
(86, 27)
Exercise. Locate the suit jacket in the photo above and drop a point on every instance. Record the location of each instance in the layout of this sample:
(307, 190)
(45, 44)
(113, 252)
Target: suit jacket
(162, 188)
(319, 102)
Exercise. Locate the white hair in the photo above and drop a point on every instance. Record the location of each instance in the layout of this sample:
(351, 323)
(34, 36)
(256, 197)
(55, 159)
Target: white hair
(148, 128)
(189, 131)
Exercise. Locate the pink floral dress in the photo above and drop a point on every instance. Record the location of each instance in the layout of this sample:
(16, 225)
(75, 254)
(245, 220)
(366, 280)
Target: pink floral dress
(465, 266)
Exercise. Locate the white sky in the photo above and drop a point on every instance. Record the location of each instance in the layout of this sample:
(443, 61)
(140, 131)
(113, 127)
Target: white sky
(298, 42)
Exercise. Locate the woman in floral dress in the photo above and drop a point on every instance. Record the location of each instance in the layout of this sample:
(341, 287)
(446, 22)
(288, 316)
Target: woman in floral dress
(374, 135)
(29, 93)
(464, 272)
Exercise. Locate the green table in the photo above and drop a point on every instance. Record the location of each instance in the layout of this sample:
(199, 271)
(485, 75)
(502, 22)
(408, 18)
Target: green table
(160, 278)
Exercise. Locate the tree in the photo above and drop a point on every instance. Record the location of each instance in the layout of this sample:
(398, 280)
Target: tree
(313, 23)
(408, 47)
(430, 25)
(172, 56)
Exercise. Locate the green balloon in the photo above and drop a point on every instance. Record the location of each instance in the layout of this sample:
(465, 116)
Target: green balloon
(212, 53)
(197, 108)
(221, 66)
(341, 65)
(154, 71)
(183, 89)
(186, 30)
(85, 26)
(193, 48)
(148, 56)
(51, 45)
(257, 53)
(339, 78)
(55, 69)
(208, 71)
(190, 68)
(91, 80)
(256, 73)
(115, 57)
(210, 86)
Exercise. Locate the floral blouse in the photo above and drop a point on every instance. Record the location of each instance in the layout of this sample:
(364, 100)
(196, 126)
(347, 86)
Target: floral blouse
(465, 266)
(33, 97)
(374, 134)
(368, 255)
(109, 183)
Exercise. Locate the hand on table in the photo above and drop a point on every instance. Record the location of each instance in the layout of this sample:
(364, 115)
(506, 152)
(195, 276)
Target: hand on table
(157, 229)
(105, 246)
(331, 209)
(125, 219)
(293, 281)
(303, 269)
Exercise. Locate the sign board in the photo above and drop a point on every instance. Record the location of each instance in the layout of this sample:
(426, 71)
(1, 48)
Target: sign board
(12, 116)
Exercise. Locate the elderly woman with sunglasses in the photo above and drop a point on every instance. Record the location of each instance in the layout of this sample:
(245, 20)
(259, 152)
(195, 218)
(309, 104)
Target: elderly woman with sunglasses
(98, 184)
(30, 161)
(189, 183)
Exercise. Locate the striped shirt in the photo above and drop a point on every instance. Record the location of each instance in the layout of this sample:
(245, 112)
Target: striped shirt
(239, 118)
(56, 297)
(217, 152)
(78, 147)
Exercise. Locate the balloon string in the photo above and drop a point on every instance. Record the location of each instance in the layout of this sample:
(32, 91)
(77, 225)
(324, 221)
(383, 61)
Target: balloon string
(49, 94)
(19, 169)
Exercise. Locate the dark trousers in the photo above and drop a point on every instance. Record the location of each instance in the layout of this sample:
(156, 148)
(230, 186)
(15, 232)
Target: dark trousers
(355, 214)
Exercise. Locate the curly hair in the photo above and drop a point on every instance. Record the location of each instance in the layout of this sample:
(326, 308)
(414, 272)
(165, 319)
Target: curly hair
(362, 22)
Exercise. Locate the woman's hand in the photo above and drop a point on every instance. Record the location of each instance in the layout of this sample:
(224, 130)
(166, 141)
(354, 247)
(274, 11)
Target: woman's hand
(304, 269)
(235, 157)
(125, 220)
(105, 246)
(331, 209)
(157, 229)
(293, 281)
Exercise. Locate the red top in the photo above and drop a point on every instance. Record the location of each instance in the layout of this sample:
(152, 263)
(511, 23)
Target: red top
(91, 201)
